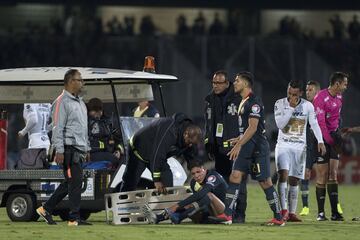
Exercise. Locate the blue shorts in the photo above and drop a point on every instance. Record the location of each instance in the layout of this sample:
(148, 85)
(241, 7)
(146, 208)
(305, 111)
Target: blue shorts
(254, 159)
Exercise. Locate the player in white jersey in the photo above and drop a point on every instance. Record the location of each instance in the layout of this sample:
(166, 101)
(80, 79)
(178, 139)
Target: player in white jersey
(36, 116)
(292, 115)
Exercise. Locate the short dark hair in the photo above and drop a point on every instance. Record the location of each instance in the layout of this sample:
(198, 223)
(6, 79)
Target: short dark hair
(222, 72)
(296, 84)
(248, 76)
(337, 77)
(95, 104)
(314, 83)
(69, 75)
(194, 163)
(194, 131)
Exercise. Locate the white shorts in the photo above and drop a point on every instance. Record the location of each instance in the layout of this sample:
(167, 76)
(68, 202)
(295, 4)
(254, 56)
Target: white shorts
(38, 140)
(293, 160)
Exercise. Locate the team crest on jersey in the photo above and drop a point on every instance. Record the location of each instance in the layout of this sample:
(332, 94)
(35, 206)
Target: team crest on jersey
(232, 109)
(211, 179)
(27, 106)
(255, 108)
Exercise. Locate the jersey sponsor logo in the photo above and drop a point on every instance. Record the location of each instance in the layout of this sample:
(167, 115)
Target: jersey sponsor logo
(232, 109)
(295, 127)
(255, 108)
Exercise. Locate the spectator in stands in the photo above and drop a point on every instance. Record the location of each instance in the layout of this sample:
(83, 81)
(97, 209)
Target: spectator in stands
(147, 26)
(216, 27)
(354, 29)
(284, 26)
(199, 25)
(182, 28)
(129, 26)
(338, 27)
(114, 27)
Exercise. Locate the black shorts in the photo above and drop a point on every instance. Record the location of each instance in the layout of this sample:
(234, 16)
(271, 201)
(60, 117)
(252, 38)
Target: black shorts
(254, 159)
(330, 154)
(311, 156)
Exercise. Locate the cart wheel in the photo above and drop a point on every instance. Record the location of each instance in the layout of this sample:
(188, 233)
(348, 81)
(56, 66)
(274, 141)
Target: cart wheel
(20, 207)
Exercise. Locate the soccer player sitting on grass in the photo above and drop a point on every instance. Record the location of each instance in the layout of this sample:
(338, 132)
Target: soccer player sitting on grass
(209, 190)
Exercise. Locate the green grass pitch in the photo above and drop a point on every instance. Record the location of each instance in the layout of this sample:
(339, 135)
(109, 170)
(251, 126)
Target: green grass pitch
(258, 212)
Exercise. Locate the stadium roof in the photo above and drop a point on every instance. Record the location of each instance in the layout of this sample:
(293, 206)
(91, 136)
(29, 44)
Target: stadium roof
(253, 4)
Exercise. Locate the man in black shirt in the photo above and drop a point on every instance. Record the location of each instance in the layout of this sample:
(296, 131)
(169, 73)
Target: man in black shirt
(251, 152)
(152, 145)
(105, 144)
(221, 124)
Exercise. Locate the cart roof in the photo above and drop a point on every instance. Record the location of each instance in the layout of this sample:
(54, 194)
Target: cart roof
(55, 75)
(44, 84)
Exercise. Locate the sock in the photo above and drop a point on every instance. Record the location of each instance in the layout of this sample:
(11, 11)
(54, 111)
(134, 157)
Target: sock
(293, 198)
(273, 200)
(241, 202)
(282, 189)
(188, 212)
(231, 197)
(332, 188)
(320, 197)
(304, 188)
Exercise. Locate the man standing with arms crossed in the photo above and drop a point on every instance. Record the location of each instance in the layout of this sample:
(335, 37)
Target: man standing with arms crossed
(328, 103)
(312, 88)
(291, 116)
(70, 140)
(222, 124)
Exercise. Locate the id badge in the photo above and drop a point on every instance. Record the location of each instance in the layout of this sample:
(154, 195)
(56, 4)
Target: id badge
(219, 130)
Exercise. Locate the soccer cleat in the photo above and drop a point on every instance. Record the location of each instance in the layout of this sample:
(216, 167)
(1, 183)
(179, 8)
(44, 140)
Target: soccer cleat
(238, 219)
(293, 218)
(356, 219)
(45, 215)
(321, 217)
(305, 211)
(337, 217)
(224, 219)
(174, 216)
(285, 214)
(78, 223)
(339, 209)
(275, 222)
(149, 214)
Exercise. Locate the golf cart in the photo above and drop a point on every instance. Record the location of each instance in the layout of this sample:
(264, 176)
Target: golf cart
(22, 191)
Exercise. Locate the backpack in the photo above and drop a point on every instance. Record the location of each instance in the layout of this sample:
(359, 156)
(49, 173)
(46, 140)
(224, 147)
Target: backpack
(32, 158)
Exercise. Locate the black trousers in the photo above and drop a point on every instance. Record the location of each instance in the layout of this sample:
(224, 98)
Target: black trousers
(224, 166)
(135, 167)
(71, 185)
